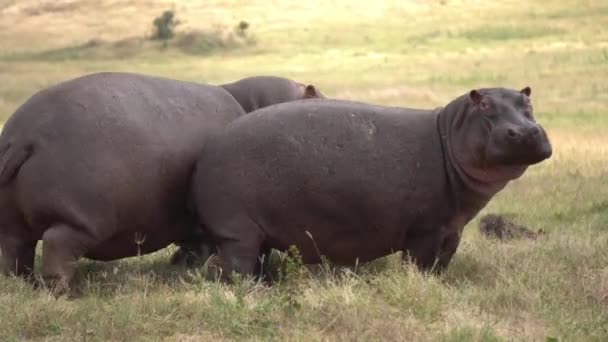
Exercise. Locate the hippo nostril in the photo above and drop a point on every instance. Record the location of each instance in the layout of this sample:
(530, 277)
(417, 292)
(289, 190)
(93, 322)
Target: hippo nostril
(511, 133)
(534, 131)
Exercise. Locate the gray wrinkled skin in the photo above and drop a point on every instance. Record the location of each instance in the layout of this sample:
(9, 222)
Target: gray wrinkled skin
(355, 182)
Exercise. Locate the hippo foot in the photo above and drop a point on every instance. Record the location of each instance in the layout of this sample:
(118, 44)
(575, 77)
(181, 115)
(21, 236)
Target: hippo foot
(191, 256)
(214, 270)
(183, 257)
(57, 286)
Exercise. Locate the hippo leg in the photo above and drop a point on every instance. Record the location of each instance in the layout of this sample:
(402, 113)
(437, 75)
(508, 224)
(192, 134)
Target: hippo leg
(18, 255)
(62, 247)
(423, 250)
(239, 244)
(193, 250)
(183, 256)
(238, 256)
(191, 254)
(448, 248)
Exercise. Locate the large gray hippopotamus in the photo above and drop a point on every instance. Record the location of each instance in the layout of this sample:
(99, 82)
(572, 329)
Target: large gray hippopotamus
(354, 181)
(99, 166)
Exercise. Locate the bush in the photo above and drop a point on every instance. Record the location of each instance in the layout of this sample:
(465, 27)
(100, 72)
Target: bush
(165, 25)
(241, 29)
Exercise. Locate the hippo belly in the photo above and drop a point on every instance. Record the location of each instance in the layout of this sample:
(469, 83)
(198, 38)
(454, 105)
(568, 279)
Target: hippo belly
(134, 243)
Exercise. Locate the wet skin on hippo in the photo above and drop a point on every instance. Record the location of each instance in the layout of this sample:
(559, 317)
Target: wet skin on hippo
(354, 181)
(99, 167)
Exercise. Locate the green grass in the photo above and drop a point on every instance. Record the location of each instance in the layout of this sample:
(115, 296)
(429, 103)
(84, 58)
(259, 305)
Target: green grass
(507, 32)
(407, 53)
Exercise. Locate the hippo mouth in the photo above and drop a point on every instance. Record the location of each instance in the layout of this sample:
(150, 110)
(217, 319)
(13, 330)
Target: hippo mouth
(498, 173)
(530, 155)
(520, 151)
(540, 153)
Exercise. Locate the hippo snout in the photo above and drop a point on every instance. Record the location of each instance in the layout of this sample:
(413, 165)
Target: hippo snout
(545, 150)
(532, 141)
(526, 134)
(519, 144)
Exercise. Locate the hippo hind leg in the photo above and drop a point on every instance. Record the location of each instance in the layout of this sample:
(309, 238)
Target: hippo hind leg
(239, 243)
(193, 250)
(17, 249)
(62, 246)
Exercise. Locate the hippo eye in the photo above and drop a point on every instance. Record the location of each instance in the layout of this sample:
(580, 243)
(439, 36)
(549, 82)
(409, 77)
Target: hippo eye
(485, 106)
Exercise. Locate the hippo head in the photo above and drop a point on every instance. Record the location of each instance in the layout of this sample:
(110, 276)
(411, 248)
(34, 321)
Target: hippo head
(261, 91)
(495, 136)
(307, 91)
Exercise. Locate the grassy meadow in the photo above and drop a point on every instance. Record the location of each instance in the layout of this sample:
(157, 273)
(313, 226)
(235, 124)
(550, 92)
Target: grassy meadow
(401, 52)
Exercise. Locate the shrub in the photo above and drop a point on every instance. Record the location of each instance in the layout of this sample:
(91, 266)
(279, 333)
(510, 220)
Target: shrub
(165, 26)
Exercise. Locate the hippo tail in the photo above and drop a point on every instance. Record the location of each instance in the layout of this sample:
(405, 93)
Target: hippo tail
(11, 159)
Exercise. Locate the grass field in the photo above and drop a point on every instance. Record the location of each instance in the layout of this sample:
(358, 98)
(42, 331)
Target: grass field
(409, 53)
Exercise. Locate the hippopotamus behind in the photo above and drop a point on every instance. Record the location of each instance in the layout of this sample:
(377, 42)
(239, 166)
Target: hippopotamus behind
(99, 167)
(261, 91)
(355, 182)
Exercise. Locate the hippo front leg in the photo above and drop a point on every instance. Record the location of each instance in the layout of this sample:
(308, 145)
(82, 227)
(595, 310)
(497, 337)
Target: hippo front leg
(63, 245)
(423, 250)
(195, 249)
(433, 252)
(448, 249)
(192, 253)
(18, 256)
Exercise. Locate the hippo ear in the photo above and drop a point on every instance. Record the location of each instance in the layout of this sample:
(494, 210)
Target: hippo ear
(475, 96)
(526, 91)
(310, 91)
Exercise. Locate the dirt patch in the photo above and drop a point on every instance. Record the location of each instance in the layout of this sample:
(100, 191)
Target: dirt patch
(502, 228)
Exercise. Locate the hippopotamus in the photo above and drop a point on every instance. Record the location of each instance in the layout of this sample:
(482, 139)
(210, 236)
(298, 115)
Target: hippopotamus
(261, 91)
(353, 182)
(99, 167)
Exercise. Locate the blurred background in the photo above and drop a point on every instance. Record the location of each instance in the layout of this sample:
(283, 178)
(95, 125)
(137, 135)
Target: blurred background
(416, 53)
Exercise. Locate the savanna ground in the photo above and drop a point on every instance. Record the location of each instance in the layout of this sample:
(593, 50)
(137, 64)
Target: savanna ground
(410, 53)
